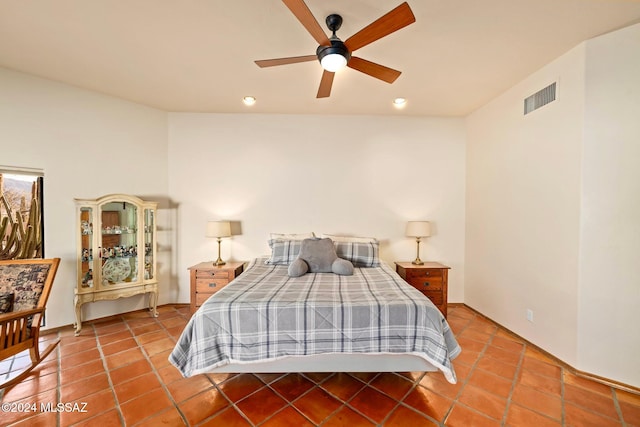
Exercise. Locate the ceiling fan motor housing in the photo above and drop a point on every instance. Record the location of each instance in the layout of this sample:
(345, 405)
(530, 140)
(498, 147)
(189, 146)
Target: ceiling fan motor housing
(337, 47)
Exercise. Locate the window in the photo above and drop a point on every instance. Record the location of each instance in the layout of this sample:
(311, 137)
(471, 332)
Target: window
(21, 224)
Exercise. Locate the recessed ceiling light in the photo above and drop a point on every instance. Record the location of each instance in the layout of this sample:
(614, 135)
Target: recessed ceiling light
(249, 100)
(399, 102)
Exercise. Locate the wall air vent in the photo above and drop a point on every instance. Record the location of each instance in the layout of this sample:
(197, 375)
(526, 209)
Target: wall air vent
(540, 98)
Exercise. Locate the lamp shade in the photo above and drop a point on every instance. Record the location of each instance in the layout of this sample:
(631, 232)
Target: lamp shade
(218, 229)
(418, 229)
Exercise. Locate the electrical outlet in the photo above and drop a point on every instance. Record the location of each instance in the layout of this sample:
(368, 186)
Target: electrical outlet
(529, 315)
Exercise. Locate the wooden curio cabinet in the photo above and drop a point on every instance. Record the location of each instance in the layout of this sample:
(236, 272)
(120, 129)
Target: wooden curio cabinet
(116, 251)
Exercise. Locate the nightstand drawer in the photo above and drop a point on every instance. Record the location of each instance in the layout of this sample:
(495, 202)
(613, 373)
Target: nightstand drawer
(201, 297)
(210, 285)
(424, 273)
(426, 283)
(435, 297)
(208, 274)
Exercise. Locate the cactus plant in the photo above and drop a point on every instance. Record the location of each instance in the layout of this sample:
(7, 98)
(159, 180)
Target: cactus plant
(20, 239)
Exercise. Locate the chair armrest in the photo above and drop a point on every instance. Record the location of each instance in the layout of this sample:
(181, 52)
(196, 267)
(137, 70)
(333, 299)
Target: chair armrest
(16, 315)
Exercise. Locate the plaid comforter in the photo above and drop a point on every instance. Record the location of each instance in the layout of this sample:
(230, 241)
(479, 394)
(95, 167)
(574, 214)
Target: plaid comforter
(264, 315)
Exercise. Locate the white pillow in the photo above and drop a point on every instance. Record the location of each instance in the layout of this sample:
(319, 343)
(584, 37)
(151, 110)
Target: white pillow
(351, 239)
(291, 236)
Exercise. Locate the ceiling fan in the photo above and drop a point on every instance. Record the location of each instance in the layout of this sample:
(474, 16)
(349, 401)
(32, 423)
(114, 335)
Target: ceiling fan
(334, 54)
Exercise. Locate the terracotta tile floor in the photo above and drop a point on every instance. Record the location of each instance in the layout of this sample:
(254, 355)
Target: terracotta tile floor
(119, 369)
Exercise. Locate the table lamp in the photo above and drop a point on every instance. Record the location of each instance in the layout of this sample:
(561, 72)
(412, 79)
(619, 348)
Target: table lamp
(218, 229)
(418, 229)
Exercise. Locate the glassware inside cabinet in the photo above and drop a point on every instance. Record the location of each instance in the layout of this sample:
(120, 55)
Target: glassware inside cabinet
(86, 254)
(149, 244)
(118, 248)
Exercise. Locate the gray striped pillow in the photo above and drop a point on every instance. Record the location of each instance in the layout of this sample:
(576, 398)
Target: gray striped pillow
(361, 254)
(283, 252)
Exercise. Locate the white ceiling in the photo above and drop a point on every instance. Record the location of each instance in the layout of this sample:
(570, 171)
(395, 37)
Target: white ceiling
(197, 55)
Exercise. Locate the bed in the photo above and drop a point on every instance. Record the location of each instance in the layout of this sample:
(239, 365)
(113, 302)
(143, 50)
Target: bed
(266, 321)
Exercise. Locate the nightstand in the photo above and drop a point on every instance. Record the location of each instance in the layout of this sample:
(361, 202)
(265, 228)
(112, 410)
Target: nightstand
(207, 279)
(429, 278)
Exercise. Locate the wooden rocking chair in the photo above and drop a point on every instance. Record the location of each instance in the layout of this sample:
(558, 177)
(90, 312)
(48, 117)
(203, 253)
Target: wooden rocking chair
(30, 281)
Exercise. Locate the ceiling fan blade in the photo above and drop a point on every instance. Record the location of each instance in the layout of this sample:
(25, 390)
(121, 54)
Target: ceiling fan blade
(325, 84)
(308, 21)
(378, 71)
(283, 61)
(398, 18)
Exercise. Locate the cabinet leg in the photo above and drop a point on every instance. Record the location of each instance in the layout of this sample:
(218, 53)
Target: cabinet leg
(78, 309)
(153, 303)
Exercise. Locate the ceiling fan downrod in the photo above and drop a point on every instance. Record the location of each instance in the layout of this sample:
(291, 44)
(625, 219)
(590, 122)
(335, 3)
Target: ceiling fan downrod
(326, 53)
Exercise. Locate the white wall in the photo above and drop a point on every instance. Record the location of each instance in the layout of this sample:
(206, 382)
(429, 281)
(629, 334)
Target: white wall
(88, 145)
(553, 206)
(286, 173)
(608, 341)
(523, 207)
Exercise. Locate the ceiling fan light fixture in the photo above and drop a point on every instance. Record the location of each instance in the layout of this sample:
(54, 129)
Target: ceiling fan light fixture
(334, 57)
(249, 100)
(333, 62)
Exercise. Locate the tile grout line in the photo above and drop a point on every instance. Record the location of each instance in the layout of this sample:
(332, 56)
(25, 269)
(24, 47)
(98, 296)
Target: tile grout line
(147, 357)
(344, 403)
(106, 370)
(291, 403)
(473, 367)
(514, 382)
(288, 404)
(405, 405)
(616, 404)
(357, 411)
(590, 410)
(563, 413)
(464, 383)
(232, 403)
(399, 402)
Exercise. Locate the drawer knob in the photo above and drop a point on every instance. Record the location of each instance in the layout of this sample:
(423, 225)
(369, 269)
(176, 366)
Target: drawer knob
(426, 284)
(427, 273)
(212, 285)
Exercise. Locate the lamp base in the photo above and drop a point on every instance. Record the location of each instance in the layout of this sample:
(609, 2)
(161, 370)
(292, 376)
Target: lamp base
(219, 261)
(417, 261)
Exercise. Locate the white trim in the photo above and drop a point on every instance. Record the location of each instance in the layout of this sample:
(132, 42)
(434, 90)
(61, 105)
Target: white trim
(21, 171)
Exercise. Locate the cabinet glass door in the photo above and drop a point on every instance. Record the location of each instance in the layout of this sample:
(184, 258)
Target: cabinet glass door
(149, 244)
(118, 247)
(86, 256)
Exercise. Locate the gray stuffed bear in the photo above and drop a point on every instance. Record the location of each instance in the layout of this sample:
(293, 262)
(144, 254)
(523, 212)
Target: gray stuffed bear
(319, 256)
